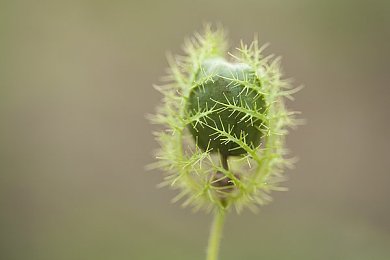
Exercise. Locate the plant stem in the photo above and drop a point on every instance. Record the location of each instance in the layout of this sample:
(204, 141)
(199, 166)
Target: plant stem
(215, 234)
(224, 162)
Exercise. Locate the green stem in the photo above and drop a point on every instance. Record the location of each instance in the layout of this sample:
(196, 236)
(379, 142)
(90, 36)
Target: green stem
(215, 235)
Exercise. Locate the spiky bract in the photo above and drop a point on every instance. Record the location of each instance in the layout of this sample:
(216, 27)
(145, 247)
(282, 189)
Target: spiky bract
(192, 167)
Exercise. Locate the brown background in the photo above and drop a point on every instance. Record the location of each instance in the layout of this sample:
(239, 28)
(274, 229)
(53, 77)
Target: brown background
(76, 83)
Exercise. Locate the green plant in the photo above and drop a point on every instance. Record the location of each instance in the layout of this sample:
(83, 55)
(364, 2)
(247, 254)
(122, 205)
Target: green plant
(224, 124)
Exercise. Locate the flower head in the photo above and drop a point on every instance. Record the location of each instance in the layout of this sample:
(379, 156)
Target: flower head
(224, 124)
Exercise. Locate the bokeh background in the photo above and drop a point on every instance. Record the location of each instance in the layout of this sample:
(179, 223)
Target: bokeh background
(76, 83)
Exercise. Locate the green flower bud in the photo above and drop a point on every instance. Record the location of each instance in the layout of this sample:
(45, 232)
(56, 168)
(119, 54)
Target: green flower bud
(225, 86)
(224, 124)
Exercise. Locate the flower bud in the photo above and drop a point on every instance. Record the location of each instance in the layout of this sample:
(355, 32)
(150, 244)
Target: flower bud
(226, 93)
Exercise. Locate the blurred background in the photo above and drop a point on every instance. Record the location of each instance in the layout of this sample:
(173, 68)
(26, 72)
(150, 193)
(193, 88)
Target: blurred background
(76, 83)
